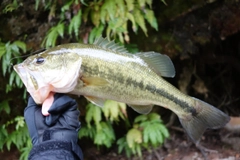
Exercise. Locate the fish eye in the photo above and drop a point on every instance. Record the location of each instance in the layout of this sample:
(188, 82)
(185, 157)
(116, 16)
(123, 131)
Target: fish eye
(40, 60)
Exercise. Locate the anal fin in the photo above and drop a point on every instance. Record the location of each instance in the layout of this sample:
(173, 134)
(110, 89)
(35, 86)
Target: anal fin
(142, 109)
(95, 100)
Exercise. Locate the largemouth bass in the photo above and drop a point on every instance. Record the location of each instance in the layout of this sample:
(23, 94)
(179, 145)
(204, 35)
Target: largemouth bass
(104, 70)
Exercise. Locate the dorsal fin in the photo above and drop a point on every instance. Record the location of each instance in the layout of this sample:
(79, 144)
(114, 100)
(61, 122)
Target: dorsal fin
(111, 45)
(159, 63)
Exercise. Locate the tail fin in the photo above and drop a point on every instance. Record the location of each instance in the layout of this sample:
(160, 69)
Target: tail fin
(208, 117)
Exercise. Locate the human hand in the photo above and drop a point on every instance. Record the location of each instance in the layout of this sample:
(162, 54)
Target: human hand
(63, 115)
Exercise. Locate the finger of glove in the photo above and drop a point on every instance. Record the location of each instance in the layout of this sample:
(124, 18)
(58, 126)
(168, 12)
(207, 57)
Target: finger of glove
(61, 103)
(61, 106)
(51, 119)
(69, 119)
(72, 119)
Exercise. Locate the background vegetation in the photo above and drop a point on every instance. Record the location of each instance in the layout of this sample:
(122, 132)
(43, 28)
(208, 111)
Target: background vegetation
(197, 35)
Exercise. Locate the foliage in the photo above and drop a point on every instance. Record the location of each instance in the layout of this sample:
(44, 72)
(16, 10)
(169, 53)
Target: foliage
(53, 33)
(108, 17)
(18, 137)
(11, 7)
(4, 106)
(8, 52)
(148, 131)
(113, 110)
(154, 131)
(100, 131)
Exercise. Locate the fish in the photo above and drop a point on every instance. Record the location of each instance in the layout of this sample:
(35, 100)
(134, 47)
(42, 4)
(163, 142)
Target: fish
(105, 70)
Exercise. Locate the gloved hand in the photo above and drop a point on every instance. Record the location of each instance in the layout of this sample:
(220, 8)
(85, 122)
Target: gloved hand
(63, 117)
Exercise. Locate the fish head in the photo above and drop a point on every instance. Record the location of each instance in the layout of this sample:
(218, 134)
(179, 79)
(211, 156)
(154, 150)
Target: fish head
(49, 71)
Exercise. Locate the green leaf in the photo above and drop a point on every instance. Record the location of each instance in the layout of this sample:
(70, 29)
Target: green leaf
(53, 33)
(140, 118)
(20, 122)
(37, 4)
(154, 116)
(18, 137)
(122, 144)
(121, 8)
(150, 17)
(153, 138)
(11, 7)
(2, 49)
(4, 105)
(112, 109)
(66, 6)
(132, 19)
(12, 50)
(83, 2)
(4, 66)
(11, 78)
(60, 29)
(164, 2)
(20, 45)
(130, 5)
(75, 24)
(141, 3)
(139, 18)
(110, 6)
(95, 17)
(134, 137)
(153, 130)
(3, 135)
(95, 33)
(93, 113)
(138, 149)
(9, 142)
(164, 131)
(108, 32)
(26, 150)
(85, 14)
(103, 15)
(87, 132)
(105, 135)
(18, 82)
(149, 2)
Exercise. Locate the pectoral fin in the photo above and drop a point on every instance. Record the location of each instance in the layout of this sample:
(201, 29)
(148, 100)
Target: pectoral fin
(94, 81)
(95, 100)
(142, 109)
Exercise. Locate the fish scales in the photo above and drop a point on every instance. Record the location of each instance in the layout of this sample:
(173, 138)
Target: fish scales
(127, 88)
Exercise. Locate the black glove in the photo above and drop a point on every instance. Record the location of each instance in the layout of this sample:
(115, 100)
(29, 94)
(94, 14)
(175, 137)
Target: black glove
(61, 125)
(63, 116)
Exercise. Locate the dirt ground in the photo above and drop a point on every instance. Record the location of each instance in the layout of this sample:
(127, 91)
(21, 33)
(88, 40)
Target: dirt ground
(223, 146)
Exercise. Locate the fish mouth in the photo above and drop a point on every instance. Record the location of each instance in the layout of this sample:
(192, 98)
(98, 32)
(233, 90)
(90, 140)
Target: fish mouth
(31, 83)
(23, 74)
